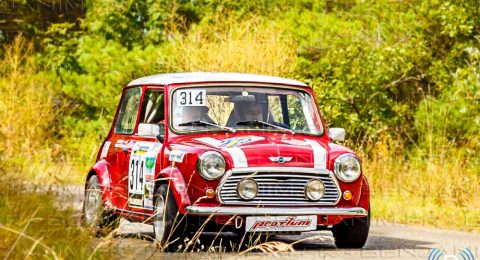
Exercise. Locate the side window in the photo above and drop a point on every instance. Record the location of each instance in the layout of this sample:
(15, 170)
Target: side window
(127, 116)
(153, 107)
(296, 113)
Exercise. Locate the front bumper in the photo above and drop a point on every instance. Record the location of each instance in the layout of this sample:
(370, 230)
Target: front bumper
(256, 211)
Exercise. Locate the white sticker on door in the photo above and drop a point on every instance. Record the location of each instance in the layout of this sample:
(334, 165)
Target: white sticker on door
(141, 174)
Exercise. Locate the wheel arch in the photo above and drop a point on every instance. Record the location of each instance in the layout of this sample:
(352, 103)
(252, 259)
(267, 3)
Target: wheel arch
(101, 171)
(174, 178)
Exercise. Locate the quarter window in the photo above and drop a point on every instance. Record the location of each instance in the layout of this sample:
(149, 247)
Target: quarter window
(152, 107)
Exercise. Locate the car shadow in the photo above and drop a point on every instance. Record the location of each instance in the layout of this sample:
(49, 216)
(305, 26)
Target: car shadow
(315, 241)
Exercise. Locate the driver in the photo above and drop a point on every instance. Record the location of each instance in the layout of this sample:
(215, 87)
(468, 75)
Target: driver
(196, 113)
(253, 111)
(247, 111)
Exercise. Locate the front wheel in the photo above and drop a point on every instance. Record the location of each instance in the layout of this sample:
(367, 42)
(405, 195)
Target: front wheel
(94, 214)
(168, 225)
(352, 233)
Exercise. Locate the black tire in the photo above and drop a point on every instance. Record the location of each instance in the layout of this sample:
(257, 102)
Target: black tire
(171, 232)
(94, 214)
(352, 233)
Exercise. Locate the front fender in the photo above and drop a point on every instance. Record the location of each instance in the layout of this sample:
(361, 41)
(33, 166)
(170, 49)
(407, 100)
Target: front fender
(101, 170)
(365, 197)
(175, 180)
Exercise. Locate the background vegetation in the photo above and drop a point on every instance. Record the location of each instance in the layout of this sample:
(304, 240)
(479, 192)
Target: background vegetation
(401, 76)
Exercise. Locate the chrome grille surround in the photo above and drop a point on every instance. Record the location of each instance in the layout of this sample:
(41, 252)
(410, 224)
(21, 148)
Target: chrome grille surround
(278, 186)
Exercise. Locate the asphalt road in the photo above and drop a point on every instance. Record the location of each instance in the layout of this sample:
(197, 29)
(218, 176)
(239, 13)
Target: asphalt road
(386, 241)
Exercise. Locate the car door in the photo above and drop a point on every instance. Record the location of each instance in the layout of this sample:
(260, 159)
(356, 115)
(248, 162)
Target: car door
(122, 142)
(139, 169)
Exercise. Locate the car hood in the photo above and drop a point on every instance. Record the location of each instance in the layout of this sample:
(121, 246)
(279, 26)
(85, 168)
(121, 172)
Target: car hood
(281, 151)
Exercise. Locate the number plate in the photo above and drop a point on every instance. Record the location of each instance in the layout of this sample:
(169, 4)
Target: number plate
(281, 223)
(192, 97)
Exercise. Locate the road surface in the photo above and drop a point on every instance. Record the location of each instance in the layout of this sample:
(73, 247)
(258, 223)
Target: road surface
(386, 241)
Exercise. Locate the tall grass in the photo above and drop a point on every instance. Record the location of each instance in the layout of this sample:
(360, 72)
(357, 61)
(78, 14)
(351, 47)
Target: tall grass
(437, 188)
(29, 109)
(36, 223)
(225, 44)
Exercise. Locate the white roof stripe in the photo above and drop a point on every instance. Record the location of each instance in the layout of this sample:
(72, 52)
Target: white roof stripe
(195, 77)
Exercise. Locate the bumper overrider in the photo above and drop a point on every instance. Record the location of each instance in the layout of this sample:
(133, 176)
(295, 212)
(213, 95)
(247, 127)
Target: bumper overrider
(272, 211)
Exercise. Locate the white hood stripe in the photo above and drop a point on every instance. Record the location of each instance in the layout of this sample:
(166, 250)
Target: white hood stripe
(237, 155)
(209, 140)
(319, 155)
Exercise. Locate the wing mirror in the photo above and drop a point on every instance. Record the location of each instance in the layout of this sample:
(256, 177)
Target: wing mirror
(336, 134)
(156, 130)
(148, 129)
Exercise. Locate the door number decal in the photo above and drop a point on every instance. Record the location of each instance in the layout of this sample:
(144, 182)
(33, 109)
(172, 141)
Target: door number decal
(141, 174)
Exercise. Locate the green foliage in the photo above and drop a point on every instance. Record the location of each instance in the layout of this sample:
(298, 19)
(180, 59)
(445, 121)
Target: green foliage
(32, 17)
(403, 69)
(401, 76)
(454, 116)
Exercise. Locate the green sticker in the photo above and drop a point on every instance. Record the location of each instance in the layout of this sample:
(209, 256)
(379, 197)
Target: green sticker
(150, 162)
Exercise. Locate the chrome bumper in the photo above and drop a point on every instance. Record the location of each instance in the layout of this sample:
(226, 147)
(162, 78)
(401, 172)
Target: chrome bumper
(254, 211)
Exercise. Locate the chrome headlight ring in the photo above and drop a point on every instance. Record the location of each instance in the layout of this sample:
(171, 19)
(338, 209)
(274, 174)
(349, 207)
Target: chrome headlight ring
(211, 165)
(247, 189)
(347, 167)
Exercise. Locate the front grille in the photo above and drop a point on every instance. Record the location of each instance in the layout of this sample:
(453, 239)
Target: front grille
(279, 188)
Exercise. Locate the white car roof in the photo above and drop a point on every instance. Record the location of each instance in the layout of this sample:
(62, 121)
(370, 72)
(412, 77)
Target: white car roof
(194, 77)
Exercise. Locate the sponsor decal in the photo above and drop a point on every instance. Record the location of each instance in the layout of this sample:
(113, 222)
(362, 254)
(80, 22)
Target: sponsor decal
(290, 222)
(150, 162)
(281, 223)
(238, 141)
(176, 156)
(122, 143)
(105, 148)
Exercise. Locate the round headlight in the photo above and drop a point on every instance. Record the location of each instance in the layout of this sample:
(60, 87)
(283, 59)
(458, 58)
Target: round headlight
(211, 165)
(247, 189)
(314, 190)
(347, 167)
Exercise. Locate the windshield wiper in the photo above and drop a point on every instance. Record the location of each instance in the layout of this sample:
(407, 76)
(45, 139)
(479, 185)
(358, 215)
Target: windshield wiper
(258, 123)
(203, 123)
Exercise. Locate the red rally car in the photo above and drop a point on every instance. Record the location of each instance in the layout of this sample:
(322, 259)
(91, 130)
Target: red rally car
(226, 151)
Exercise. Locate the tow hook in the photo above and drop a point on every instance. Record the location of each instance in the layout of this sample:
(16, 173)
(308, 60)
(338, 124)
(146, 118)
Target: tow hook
(238, 222)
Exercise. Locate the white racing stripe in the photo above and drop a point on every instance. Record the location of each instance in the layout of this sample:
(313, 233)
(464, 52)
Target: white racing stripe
(238, 156)
(209, 140)
(319, 155)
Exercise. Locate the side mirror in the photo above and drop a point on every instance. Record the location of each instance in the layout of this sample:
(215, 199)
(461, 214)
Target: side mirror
(336, 134)
(148, 129)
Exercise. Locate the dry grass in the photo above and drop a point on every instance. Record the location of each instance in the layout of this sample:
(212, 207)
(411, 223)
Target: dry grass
(224, 44)
(29, 115)
(439, 188)
(32, 226)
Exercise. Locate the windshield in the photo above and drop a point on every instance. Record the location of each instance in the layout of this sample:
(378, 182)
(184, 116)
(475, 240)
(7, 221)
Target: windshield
(244, 108)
